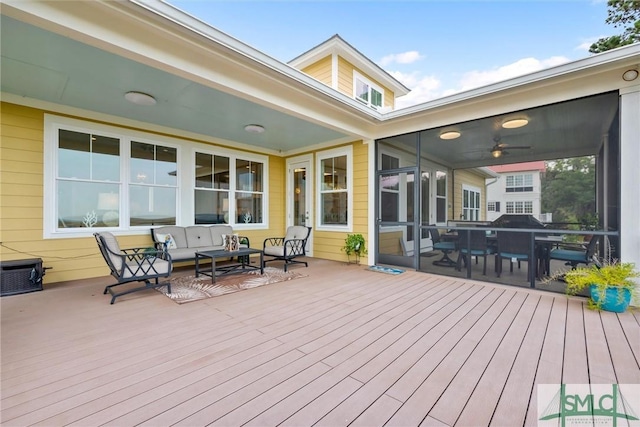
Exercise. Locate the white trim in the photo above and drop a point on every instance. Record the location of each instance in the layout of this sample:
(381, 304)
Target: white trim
(185, 158)
(372, 223)
(358, 76)
(336, 152)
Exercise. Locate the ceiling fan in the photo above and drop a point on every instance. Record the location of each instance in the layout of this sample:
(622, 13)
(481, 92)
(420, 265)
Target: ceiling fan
(500, 148)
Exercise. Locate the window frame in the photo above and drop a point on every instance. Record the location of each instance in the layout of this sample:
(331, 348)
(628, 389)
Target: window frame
(233, 156)
(477, 203)
(328, 154)
(185, 184)
(370, 85)
(516, 187)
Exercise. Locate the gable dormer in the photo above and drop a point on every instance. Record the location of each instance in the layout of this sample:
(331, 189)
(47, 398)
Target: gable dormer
(339, 65)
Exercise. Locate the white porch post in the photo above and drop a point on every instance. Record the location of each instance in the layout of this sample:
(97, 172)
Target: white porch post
(630, 176)
(371, 245)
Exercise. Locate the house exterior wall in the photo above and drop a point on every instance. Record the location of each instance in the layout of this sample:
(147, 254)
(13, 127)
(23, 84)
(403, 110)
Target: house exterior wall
(345, 81)
(462, 178)
(496, 192)
(21, 200)
(320, 70)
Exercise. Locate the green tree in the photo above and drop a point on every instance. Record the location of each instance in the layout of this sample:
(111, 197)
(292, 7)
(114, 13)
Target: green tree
(621, 13)
(568, 189)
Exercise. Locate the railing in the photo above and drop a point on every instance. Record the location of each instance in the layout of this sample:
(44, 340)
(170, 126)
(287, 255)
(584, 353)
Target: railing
(464, 232)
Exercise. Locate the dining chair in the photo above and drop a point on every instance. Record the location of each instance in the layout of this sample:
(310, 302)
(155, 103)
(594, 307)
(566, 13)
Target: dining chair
(574, 256)
(445, 247)
(514, 245)
(473, 245)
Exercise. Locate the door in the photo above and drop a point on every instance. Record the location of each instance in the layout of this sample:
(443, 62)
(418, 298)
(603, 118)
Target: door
(300, 194)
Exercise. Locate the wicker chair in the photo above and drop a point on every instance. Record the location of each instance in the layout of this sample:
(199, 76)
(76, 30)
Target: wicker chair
(133, 265)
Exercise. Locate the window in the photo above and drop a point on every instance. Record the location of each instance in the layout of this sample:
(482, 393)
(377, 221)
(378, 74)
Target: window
(225, 184)
(520, 207)
(367, 92)
(470, 203)
(99, 176)
(441, 197)
(334, 200)
(519, 183)
(493, 206)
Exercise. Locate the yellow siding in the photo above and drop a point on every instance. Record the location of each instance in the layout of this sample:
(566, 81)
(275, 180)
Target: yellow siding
(328, 244)
(320, 70)
(466, 177)
(21, 205)
(345, 82)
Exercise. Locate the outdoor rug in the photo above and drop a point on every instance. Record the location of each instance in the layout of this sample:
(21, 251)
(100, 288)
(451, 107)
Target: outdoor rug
(387, 270)
(189, 288)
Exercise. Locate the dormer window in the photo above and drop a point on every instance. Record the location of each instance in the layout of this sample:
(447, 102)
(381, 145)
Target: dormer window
(366, 92)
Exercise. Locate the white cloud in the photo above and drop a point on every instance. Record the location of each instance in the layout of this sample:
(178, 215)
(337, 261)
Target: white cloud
(426, 88)
(473, 79)
(401, 58)
(586, 44)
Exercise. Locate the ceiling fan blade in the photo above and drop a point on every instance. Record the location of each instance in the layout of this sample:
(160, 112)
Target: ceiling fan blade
(519, 147)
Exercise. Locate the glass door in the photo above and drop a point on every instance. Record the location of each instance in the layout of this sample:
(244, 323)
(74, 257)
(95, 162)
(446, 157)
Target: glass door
(299, 195)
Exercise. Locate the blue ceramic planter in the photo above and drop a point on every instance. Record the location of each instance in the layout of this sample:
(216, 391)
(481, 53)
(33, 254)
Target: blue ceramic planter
(612, 300)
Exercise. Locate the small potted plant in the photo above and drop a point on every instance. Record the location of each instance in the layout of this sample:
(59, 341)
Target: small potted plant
(610, 284)
(354, 245)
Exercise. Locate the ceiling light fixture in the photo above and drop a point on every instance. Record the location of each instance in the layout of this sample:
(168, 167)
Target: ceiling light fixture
(254, 128)
(140, 98)
(515, 123)
(630, 75)
(496, 152)
(452, 134)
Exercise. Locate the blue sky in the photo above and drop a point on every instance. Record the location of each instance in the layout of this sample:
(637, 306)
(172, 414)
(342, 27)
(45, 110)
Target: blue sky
(435, 48)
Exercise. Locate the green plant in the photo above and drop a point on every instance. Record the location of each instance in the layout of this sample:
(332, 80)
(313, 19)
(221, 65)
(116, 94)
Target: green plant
(354, 244)
(607, 275)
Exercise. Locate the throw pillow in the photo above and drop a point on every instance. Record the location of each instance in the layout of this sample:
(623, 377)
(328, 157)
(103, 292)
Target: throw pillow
(168, 241)
(231, 242)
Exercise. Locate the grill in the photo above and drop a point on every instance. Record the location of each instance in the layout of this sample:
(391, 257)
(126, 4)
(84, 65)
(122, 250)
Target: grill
(517, 221)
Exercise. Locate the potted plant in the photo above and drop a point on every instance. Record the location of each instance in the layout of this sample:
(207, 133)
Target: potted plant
(610, 284)
(354, 245)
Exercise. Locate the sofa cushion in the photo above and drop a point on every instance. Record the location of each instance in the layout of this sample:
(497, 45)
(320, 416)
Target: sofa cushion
(167, 239)
(217, 231)
(198, 237)
(177, 232)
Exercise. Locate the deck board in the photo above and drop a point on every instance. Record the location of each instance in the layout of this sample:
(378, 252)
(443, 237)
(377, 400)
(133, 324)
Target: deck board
(341, 345)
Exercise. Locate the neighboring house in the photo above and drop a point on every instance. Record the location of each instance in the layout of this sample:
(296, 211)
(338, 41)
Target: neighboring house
(516, 190)
(122, 116)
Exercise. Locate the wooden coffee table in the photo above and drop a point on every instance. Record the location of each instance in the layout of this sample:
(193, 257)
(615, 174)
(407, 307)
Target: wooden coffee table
(240, 267)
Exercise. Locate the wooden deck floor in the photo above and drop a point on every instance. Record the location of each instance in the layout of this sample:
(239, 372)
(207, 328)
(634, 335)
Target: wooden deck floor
(343, 346)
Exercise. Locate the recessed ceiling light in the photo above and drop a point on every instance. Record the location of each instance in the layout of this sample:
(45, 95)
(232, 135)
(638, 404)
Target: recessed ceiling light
(452, 134)
(515, 123)
(630, 75)
(140, 98)
(254, 128)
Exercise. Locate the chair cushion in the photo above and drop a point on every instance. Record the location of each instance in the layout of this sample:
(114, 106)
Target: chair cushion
(177, 232)
(296, 232)
(112, 245)
(274, 251)
(513, 255)
(217, 231)
(198, 237)
(445, 246)
(568, 255)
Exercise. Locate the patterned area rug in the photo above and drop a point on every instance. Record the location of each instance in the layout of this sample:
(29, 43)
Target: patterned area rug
(189, 288)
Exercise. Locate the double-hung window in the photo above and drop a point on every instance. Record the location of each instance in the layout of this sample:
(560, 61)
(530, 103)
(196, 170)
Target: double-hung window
(520, 207)
(519, 183)
(335, 199)
(470, 203)
(103, 177)
(229, 188)
(367, 92)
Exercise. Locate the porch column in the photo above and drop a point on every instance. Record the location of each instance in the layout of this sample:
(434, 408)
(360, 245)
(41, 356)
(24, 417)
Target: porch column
(629, 175)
